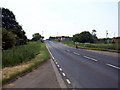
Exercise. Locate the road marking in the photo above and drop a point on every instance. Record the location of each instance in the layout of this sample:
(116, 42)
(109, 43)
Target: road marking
(76, 53)
(56, 62)
(50, 53)
(60, 69)
(58, 65)
(68, 81)
(63, 74)
(68, 50)
(90, 58)
(113, 66)
(53, 58)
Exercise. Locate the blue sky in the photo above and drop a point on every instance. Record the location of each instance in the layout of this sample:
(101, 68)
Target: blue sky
(65, 17)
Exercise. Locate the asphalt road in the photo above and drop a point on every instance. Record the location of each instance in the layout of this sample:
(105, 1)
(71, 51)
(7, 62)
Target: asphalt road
(82, 68)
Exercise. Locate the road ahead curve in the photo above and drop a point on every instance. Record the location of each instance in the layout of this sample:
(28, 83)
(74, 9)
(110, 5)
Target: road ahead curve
(81, 68)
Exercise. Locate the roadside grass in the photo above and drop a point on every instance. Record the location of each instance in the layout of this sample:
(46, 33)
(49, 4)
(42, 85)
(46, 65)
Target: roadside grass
(102, 46)
(19, 54)
(10, 73)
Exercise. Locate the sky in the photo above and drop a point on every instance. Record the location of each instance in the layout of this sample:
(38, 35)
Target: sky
(65, 17)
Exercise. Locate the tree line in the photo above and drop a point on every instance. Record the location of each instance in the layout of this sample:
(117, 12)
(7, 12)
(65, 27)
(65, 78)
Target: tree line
(12, 32)
(85, 36)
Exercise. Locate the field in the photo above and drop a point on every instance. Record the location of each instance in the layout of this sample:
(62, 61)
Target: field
(20, 54)
(100, 46)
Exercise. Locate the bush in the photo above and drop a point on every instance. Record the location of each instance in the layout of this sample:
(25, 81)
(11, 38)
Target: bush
(8, 39)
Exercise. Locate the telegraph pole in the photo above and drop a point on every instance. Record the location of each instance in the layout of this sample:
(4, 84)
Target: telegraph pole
(106, 33)
(106, 36)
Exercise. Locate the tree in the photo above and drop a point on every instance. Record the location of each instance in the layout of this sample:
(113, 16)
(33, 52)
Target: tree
(51, 37)
(8, 39)
(86, 36)
(36, 37)
(93, 32)
(76, 38)
(83, 37)
(94, 35)
(12, 27)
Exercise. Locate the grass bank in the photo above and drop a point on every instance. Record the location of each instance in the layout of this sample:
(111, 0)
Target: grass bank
(19, 54)
(9, 73)
(102, 47)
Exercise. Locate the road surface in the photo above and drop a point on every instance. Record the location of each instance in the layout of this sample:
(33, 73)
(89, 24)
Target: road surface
(82, 68)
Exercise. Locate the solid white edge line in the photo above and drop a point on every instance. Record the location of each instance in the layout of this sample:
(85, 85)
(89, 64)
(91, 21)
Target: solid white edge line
(58, 76)
(113, 66)
(91, 58)
(63, 74)
(68, 81)
(50, 53)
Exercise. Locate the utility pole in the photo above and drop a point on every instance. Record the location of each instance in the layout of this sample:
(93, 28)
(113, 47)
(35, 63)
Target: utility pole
(106, 36)
(106, 33)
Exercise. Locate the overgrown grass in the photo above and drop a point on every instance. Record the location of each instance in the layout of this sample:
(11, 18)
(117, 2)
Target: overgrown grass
(105, 47)
(19, 54)
(9, 73)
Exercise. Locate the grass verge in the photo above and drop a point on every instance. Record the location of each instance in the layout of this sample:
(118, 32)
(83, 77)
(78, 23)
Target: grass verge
(19, 54)
(100, 47)
(9, 73)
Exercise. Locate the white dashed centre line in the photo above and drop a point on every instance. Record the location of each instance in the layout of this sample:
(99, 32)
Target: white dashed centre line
(63, 74)
(68, 50)
(68, 81)
(90, 58)
(76, 53)
(113, 66)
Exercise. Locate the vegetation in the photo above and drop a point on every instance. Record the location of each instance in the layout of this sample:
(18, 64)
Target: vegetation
(52, 38)
(36, 37)
(83, 37)
(99, 46)
(20, 54)
(9, 73)
(11, 30)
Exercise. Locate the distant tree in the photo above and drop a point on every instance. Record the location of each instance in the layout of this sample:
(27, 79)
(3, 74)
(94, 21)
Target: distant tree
(51, 37)
(83, 37)
(36, 37)
(86, 36)
(93, 32)
(76, 38)
(94, 35)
